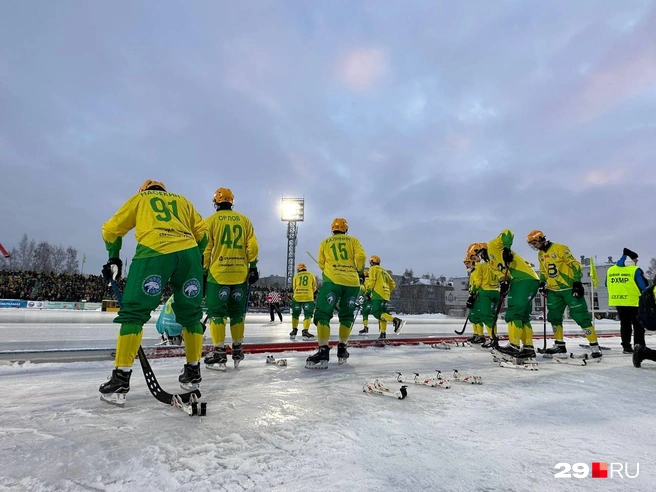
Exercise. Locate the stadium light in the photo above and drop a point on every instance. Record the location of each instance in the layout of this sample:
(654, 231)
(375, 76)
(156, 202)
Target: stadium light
(292, 209)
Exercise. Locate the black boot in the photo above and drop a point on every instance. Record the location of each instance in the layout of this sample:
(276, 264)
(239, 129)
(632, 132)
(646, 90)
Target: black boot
(638, 355)
(559, 347)
(510, 350)
(190, 377)
(364, 331)
(319, 360)
(217, 358)
(342, 353)
(237, 354)
(293, 333)
(382, 336)
(527, 352)
(307, 335)
(119, 382)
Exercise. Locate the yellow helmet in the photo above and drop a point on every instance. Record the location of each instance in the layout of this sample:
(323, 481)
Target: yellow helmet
(535, 235)
(301, 267)
(374, 260)
(224, 195)
(474, 248)
(149, 184)
(339, 225)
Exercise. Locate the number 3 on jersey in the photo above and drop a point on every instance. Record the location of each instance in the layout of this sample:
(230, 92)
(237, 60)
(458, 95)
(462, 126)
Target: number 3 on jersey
(231, 236)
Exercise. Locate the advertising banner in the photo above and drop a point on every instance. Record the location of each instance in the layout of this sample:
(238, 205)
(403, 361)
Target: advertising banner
(12, 303)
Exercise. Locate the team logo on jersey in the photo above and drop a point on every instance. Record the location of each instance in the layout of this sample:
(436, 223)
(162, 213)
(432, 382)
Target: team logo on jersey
(191, 288)
(152, 285)
(351, 302)
(331, 298)
(224, 293)
(237, 295)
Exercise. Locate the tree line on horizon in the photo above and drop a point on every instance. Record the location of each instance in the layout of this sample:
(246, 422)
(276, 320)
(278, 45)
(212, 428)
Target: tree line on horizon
(41, 257)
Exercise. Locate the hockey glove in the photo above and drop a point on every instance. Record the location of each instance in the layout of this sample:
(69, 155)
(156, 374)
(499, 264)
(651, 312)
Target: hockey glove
(577, 289)
(504, 285)
(507, 256)
(112, 269)
(542, 289)
(471, 300)
(253, 275)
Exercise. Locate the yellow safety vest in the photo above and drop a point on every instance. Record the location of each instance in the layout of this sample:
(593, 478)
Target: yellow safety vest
(622, 289)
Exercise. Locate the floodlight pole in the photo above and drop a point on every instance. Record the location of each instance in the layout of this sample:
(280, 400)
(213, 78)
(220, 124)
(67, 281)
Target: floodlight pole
(292, 240)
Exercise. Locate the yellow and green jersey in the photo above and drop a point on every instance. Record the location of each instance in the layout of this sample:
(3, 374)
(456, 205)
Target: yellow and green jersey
(305, 284)
(232, 248)
(165, 223)
(380, 283)
(519, 268)
(558, 268)
(341, 258)
(484, 277)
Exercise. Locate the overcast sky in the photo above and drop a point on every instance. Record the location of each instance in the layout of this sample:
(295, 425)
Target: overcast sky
(428, 125)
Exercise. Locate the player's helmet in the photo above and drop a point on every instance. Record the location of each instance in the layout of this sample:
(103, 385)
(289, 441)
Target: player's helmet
(475, 248)
(536, 239)
(374, 260)
(339, 225)
(301, 267)
(149, 184)
(224, 195)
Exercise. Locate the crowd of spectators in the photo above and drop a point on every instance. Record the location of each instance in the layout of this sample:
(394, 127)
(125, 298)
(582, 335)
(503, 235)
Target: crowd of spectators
(65, 287)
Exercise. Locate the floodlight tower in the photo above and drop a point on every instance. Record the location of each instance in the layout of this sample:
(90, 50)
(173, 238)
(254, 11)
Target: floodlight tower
(292, 210)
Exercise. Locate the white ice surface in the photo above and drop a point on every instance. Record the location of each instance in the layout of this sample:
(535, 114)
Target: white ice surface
(292, 429)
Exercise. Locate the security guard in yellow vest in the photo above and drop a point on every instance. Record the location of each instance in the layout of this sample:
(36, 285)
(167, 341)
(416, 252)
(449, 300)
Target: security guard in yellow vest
(624, 284)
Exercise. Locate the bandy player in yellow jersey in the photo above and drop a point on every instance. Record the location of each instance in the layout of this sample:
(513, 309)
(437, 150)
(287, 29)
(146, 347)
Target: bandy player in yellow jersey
(171, 236)
(230, 260)
(560, 277)
(341, 259)
(379, 287)
(305, 285)
(520, 283)
(484, 294)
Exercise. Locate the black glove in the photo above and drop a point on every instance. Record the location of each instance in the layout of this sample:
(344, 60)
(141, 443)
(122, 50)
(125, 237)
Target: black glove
(577, 289)
(542, 289)
(362, 278)
(367, 296)
(507, 256)
(112, 269)
(504, 285)
(253, 275)
(471, 300)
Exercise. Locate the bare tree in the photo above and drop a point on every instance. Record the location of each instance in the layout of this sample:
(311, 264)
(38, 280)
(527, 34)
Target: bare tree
(25, 253)
(58, 258)
(42, 257)
(651, 270)
(72, 265)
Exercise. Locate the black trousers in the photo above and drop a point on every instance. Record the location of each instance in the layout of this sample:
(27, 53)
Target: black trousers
(274, 308)
(629, 323)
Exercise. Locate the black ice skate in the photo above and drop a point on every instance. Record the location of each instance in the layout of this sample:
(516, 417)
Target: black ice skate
(596, 350)
(398, 324)
(114, 390)
(237, 354)
(342, 353)
(559, 347)
(508, 352)
(217, 360)
(364, 331)
(320, 359)
(190, 378)
(293, 333)
(478, 339)
(527, 352)
(382, 336)
(307, 335)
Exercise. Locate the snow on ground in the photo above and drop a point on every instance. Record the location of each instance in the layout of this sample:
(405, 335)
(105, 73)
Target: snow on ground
(292, 429)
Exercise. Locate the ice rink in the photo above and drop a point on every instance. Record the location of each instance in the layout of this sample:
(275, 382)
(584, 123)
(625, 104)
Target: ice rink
(287, 428)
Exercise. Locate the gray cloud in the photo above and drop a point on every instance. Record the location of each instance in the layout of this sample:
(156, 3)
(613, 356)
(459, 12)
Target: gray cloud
(428, 126)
